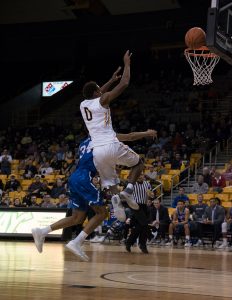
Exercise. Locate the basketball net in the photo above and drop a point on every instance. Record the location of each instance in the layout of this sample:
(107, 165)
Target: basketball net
(202, 62)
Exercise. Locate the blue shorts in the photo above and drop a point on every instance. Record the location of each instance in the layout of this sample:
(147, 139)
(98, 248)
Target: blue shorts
(83, 193)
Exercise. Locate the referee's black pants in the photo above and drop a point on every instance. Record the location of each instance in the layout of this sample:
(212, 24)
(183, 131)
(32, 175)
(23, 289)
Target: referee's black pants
(139, 226)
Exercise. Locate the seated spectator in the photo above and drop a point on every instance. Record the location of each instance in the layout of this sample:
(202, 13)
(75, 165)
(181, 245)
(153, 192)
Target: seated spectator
(26, 140)
(226, 226)
(212, 220)
(34, 202)
(5, 161)
(181, 196)
(47, 202)
(198, 214)
(17, 203)
(63, 201)
(199, 208)
(19, 193)
(176, 162)
(12, 184)
(19, 152)
(151, 174)
(36, 186)
(207, 176)
(180, 224)
(228, 173)
(46, 169)
(160, 220)
(212, 171)
(30, 170)
(159, 166)
(1, 185)
(177, 141)
(33, 148)
(58, 189)
(28, 200)
(165, 157)
(45, 189)
(200, 187)
(189, 206)
(55, 163)
(229, 168)
(218, 182)
(4, 202)
(65, 168)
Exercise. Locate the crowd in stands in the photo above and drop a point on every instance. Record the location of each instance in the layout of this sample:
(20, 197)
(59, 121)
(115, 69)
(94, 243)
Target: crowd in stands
(51, 152)
(35, 162)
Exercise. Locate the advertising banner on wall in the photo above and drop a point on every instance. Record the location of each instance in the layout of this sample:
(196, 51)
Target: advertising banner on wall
(21, 222)
(50, 88)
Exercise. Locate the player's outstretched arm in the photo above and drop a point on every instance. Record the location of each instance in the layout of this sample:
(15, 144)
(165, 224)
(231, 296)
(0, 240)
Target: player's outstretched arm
(115, 77)
(133, 136)
(107, 97)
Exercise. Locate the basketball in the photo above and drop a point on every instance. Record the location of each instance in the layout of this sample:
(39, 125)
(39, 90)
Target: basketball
(195, 38)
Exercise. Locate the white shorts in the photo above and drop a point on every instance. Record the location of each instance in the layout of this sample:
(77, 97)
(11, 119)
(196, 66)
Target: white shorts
(108, 156)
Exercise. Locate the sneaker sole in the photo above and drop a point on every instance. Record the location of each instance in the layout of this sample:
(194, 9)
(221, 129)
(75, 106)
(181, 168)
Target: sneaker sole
(82, 257)
(39, 247)
(132, 204)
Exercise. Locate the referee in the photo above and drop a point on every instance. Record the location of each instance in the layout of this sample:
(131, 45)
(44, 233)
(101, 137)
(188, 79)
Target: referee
(139, 219)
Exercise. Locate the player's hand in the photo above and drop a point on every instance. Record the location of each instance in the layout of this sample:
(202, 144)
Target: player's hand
(115, 75)
(152, 133)
(127, 57)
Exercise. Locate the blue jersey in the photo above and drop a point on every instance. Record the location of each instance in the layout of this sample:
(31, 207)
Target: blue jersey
(86, 157)
(82, 191)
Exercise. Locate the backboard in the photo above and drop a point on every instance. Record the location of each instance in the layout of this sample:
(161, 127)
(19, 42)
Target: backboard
(219, 29)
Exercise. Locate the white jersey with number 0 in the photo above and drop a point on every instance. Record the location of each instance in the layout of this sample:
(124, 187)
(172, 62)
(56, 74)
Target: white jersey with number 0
(98, 122)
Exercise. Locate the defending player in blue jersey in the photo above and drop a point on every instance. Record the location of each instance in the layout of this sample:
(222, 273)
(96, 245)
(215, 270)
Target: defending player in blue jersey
(84, 193)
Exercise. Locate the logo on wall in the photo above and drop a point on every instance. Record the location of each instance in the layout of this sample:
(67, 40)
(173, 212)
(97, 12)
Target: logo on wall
(53, 87)
(50, 89)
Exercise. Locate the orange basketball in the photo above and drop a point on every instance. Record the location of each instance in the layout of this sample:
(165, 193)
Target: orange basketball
(195, 38)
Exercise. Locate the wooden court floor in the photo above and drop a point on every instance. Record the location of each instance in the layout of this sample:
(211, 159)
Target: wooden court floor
(113, 273)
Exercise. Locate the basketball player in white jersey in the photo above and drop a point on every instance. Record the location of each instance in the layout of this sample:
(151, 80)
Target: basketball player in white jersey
(107, 150)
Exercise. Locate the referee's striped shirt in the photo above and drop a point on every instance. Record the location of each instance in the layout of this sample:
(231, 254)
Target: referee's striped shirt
(140, 192)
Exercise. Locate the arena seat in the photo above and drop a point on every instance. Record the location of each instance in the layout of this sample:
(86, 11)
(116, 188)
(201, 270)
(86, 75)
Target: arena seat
(15, 162)
(59, 176)
(227, 189)
(207, 197)
(192, 197)
(38, 200)
(50, 177)
(168, 166)
(149, 161)
(227, 204)
(26, 183)
(170, 211)
(167, 182)
(222, 197)
(3, 178)
(175, 176)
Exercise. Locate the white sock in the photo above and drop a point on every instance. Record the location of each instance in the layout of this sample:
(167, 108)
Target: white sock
(80, 238)
(224, 241)
(99, 228)
(130, 186)
(188, 237)
(170, 236)
(46, 230)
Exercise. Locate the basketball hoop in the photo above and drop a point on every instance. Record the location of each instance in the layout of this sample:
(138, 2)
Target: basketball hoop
(202, 62)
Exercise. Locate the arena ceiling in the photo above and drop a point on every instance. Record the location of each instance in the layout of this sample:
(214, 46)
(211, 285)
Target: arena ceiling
(29, 11)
